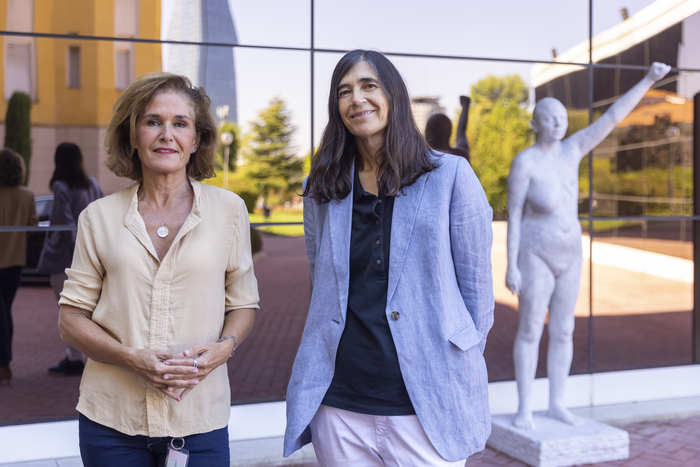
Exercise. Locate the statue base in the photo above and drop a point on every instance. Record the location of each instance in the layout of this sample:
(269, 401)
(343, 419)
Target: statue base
(556, 444)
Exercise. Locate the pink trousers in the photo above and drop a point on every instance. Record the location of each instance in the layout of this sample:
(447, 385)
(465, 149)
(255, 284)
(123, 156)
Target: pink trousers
(342, 438)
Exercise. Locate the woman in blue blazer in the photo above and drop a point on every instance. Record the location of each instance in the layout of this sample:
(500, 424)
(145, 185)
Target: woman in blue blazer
(390, 368)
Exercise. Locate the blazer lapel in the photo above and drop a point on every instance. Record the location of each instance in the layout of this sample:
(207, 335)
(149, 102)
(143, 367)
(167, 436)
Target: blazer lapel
(404, 216)
(340, 225)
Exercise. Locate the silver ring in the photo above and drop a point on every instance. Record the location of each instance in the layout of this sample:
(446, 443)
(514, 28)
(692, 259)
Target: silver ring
(195, 362)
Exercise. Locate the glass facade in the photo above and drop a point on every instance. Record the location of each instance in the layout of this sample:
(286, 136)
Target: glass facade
(637, 201)
(643, 294)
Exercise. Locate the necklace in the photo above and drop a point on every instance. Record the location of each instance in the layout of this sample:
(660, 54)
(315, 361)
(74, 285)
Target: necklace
(163, 230)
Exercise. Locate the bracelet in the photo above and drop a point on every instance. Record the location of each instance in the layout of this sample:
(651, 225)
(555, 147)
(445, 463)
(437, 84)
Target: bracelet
(235, 343)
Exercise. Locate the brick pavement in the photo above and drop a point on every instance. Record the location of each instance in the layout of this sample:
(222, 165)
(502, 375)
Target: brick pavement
(672, 443)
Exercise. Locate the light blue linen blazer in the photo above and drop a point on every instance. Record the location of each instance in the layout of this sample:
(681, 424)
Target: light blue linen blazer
(439, 282)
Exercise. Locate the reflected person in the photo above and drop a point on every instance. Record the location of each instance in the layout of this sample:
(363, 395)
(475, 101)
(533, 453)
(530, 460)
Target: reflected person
(544, 241)
(72, 191)
(17, 208)
(438, 131)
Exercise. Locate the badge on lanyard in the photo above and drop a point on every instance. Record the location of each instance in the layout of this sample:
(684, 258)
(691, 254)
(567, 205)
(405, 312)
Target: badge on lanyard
(177, 457)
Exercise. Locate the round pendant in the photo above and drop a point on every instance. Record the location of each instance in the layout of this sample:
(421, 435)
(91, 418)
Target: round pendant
(162, 231)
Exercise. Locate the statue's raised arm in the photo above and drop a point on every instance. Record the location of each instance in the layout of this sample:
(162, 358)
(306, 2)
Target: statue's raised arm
(594, 134)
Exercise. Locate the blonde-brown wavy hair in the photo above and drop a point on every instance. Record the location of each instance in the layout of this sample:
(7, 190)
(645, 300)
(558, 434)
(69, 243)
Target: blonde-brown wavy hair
(120, 140)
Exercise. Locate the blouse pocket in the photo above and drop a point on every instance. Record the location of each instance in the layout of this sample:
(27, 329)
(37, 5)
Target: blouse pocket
(465, 337)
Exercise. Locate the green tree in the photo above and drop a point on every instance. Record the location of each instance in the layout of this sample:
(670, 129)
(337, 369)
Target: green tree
(18, 128)
(499, 129)
(233, 148)
(271, 164)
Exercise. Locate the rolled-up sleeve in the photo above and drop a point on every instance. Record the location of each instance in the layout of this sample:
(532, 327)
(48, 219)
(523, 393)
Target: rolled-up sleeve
(84, 284)
(241, 284)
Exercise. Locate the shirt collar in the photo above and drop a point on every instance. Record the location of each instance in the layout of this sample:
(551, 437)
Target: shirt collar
(134, 206)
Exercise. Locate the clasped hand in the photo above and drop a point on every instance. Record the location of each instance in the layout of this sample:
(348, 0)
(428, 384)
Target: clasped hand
(170, 372)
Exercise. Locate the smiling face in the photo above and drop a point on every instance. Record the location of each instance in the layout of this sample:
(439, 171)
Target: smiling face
(549, 120)
(165, 135)
(362, 104)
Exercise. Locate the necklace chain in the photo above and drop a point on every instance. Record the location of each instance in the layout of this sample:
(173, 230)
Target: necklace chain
(162, 223)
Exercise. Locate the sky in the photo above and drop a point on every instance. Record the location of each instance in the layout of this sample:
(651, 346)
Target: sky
(506, 29)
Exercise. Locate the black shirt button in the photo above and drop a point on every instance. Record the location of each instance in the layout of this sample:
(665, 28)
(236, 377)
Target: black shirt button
(376, 222)
(380, 201)
(395, 315)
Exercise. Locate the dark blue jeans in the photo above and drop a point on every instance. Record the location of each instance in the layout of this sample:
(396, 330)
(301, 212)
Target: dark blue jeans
(101, 446)
(9, 283)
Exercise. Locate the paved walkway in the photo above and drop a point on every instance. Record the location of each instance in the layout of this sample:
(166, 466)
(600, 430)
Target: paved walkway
(654, 444)
(672, 443)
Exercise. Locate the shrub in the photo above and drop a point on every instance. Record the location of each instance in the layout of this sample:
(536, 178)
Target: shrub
(18, 128)
(250, 199)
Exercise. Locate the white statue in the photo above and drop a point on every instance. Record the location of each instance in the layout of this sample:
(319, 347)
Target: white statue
(544, 241)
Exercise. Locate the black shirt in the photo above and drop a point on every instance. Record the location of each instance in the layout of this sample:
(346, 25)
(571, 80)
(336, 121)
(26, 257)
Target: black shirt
(367, 376)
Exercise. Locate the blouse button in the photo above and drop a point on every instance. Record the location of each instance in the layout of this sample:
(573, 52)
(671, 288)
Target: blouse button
(379, 261)
(376, 222)
(378, 242)
(395, 315)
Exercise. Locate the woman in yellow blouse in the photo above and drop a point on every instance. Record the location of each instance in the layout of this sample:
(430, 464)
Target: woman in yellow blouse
(161, 290)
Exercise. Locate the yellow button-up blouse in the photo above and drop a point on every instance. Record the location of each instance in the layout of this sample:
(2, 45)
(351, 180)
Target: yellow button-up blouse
(173, 305)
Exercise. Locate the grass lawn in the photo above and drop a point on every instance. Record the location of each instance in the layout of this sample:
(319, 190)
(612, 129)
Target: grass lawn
(602, 226)
(281, 216)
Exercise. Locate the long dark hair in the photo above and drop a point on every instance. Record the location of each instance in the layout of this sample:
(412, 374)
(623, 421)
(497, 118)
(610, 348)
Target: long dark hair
(404, 156)
(69, 167)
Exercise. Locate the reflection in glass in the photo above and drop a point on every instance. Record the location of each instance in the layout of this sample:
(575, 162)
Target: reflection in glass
(645, 167)
(643, 294)
(510, 29)
(73, 99)
(209, 67)
(658, 30)
(280, 23)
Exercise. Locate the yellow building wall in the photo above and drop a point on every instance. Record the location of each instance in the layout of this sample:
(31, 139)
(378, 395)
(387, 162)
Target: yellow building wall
(79, 115)
(149, 57)
(91, 103)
